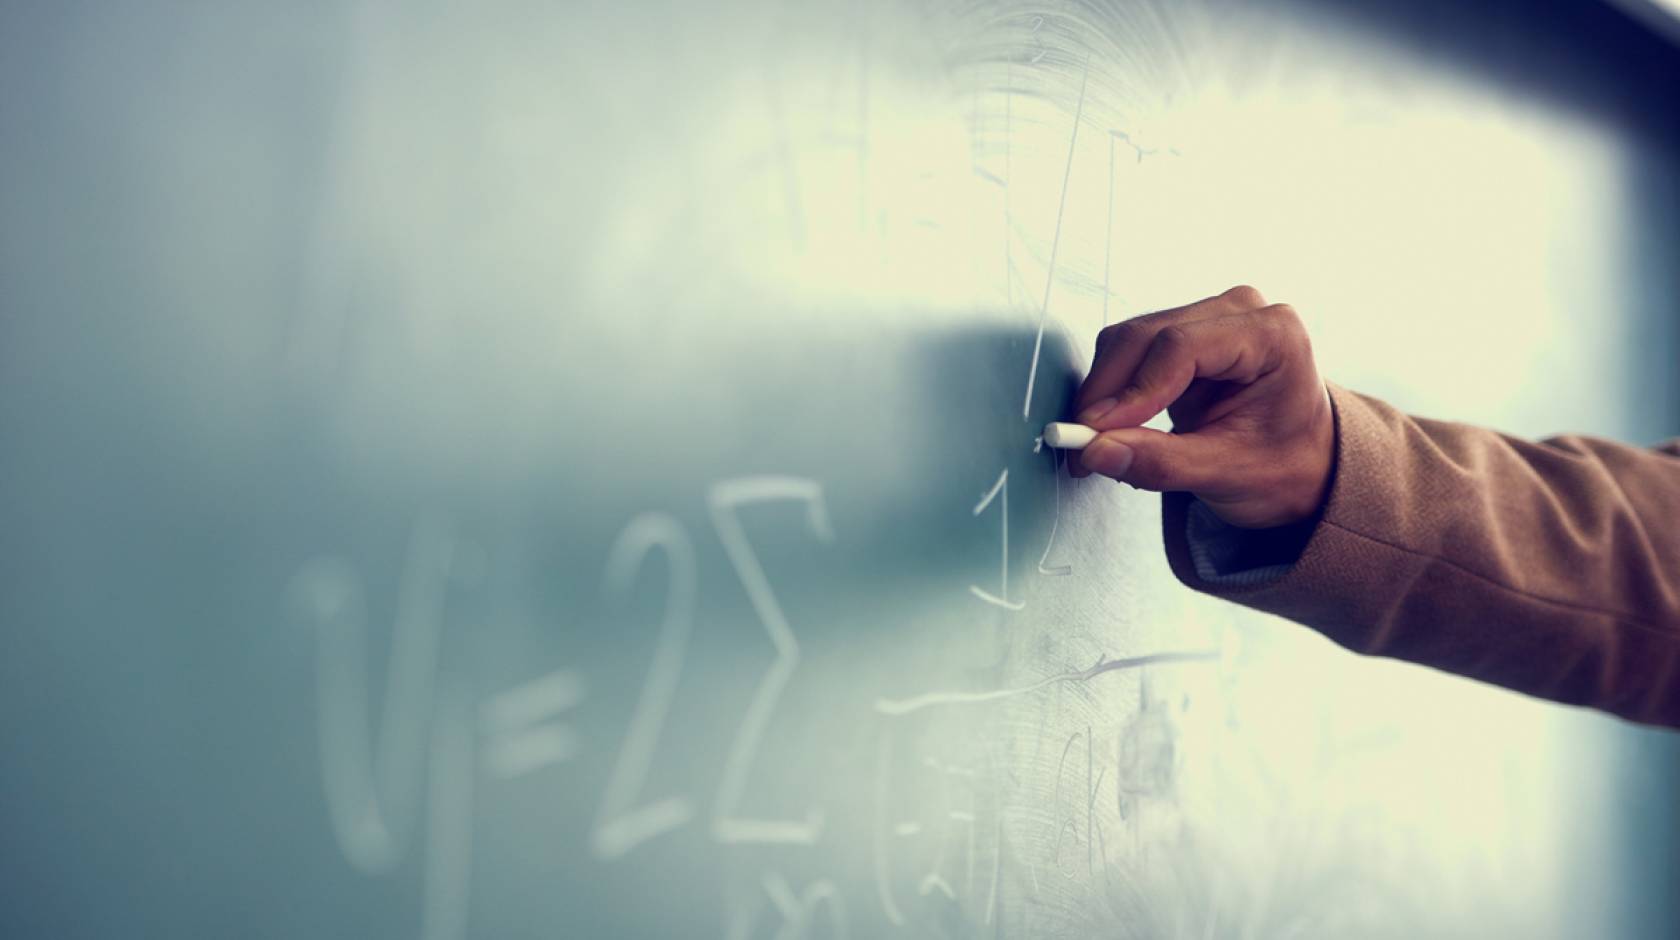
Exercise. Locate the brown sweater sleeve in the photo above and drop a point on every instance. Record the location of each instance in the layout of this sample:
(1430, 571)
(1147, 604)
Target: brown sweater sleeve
(1551, 568)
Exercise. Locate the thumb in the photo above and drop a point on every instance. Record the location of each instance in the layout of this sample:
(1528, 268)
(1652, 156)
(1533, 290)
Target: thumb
(1156, 460)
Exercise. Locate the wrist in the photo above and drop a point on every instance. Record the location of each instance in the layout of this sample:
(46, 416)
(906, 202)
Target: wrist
(1316, 458)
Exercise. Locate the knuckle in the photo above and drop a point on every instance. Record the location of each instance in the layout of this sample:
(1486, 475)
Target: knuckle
(1170, 352)
(1245, 296)
(1120, 333)
(1286, 321)
(1172, 340)
(1121, 336)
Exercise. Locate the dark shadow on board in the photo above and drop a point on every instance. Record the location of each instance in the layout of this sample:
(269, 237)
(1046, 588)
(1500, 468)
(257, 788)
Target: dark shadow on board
(907, 491)
(1585, 56)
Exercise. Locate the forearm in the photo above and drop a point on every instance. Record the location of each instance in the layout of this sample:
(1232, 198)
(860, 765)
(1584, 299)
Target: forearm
(1553, 568)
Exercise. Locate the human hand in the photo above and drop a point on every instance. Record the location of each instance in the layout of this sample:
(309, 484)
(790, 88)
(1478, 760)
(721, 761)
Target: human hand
(1253, 436)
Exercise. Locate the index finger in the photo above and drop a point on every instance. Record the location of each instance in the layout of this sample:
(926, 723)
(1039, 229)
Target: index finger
(1121, 347)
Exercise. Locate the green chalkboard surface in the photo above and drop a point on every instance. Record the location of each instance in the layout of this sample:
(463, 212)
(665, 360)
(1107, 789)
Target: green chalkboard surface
(569, 470)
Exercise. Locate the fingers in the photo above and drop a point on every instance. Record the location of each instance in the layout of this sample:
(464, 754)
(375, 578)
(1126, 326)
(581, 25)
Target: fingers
(1239, 348)
(1121, 347)
(1159, 461)
(1254, 435)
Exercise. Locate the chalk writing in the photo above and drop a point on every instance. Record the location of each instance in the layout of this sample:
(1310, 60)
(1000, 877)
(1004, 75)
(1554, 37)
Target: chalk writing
(620, 825)
(726, 499)
(1001, 599)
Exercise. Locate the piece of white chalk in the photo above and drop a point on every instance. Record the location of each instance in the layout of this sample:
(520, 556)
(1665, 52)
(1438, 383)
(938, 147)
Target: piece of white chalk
(1068, 436)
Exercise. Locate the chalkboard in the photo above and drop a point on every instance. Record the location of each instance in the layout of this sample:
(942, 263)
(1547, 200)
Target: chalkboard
(570, 470)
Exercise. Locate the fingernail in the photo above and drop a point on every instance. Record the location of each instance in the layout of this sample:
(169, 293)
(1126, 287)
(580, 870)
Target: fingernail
(1094, 413)
(1109, 458)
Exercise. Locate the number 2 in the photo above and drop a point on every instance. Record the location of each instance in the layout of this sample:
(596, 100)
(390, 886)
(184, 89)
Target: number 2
(619, 825)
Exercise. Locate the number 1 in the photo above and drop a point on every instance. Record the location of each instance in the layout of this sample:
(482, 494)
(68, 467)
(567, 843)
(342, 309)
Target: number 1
(1001, 486)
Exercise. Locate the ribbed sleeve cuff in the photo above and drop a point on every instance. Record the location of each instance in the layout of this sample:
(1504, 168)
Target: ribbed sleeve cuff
(1330, 578)
(1228, 556)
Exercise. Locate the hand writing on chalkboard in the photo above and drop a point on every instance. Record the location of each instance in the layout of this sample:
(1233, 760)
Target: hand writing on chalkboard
(1252, 436)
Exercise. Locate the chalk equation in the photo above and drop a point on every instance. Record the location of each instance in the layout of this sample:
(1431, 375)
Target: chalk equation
(426, 752)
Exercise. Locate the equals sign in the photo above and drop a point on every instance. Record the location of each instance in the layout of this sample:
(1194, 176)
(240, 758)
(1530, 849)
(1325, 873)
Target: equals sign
(519, 731)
